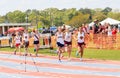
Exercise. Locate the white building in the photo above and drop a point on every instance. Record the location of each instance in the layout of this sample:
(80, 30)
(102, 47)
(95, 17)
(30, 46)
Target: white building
(5, 26)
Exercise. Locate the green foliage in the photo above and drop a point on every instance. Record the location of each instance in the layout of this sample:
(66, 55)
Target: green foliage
(100, 16)
(85, 11)
(2, 19)
(53, 16)
(114, 15)
(16, 16)
(107, 10)
(78, 20)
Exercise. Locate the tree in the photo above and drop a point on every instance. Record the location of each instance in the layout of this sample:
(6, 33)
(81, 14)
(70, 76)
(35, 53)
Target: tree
(16, 16)
(99, 16)
(54, 16)
(107, 10)
(2, 19)
(78, 20)
(114, 15)
(85, 11)
(28, 11)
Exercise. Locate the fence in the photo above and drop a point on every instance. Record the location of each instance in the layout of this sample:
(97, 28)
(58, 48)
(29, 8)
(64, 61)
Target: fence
(4, 41)
(103, 41)
(100, 41)
(45, 41)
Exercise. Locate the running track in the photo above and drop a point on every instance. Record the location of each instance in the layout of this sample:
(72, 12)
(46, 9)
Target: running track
(13, 66)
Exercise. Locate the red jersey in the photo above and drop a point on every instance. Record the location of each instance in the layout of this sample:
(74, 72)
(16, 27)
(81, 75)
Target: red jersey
(114, 31)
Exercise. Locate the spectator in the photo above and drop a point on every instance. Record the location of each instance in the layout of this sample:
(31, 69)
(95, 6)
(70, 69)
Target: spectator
(106, 28)
(84, 28)
(95, 30)
(119, 27)
(114, 32)
(88, 28)
(110, 38)
(109, 30)
(100, 28)
(95, 27)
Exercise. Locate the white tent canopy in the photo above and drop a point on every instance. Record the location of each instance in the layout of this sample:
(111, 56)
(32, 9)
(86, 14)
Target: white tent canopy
(67, 26)
(91, 24)
(110, 21)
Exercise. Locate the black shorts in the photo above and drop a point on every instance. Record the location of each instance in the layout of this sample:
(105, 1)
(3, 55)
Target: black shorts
(60, 45)
(67, 43)
(26, 44)
(80, 44)
(36, 42)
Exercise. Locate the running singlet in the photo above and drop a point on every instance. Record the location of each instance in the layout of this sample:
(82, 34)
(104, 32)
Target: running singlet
(80, 40)
(17, 40)
(68, 37)
(60, 38)
(36, 37)
(26, 37)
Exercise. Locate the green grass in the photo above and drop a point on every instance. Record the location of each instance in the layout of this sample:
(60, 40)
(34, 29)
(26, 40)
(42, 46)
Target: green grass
(102, 54)
(88, 53)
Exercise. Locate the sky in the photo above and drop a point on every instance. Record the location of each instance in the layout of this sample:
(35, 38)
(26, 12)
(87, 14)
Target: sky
(11, 5)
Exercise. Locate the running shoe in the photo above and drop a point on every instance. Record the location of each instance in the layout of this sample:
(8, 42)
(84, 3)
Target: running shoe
(14, 52)
(59, 60)
(81, 59)
(77, 53)
(34, 50)
(69, 59)
(36, 55)
(25, 54)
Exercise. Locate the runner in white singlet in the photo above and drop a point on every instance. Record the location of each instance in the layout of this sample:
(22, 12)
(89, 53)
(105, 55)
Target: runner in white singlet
(26, 41)
(17, 42)
(80, 41)
(36, 37)
(68, 42)
(60, 42)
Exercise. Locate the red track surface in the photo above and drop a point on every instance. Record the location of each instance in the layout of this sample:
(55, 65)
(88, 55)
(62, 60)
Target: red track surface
(54, 74)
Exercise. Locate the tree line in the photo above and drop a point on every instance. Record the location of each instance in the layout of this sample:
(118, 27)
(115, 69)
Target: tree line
(53, 16)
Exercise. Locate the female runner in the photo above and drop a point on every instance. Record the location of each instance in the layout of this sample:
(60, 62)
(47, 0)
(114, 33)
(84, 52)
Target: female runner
(68, 42)
(17, 42)
(81, 43)
(36, 36)
(60, 42)
(26, 41)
